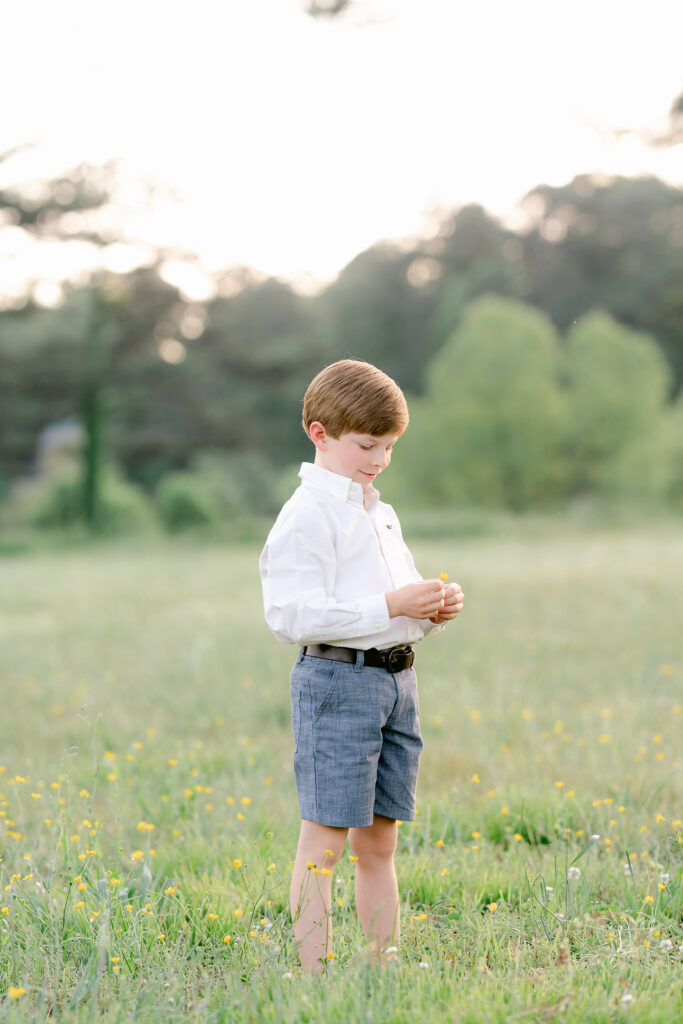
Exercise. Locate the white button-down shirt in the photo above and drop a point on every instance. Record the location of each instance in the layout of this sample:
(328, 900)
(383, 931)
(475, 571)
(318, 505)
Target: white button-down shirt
(328, 562)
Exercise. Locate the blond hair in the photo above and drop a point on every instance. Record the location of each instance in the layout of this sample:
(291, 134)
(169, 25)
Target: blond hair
(351, 396)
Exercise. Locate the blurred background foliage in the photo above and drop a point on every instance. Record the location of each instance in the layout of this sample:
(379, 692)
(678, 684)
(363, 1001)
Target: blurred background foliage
(543, 365)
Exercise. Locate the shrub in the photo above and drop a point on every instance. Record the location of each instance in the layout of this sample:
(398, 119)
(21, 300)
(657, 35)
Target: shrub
(184, 501)
(124, 508)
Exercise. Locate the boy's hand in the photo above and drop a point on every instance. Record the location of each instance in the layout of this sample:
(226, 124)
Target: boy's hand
(454, 600)
(418, 600)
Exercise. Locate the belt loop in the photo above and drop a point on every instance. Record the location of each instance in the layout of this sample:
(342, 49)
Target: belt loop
(360, 661)
(302, 652)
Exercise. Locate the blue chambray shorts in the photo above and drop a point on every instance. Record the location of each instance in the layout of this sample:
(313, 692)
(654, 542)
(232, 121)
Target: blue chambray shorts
(358, 742)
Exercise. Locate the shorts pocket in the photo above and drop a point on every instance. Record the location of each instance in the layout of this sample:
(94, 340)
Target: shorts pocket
(321, 685)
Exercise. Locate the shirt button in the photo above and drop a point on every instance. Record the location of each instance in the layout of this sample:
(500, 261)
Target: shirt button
(377, 625)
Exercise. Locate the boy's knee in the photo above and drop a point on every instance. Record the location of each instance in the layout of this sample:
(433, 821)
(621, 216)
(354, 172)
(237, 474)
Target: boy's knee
(322, 845)
(373, 842)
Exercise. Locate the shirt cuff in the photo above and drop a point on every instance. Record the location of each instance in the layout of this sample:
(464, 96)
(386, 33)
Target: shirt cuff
(375, 612)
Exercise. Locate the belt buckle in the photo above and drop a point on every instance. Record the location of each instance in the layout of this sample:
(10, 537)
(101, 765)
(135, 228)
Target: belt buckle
(397, 657)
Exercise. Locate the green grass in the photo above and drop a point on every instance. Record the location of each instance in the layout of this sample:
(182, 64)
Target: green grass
(142, 688)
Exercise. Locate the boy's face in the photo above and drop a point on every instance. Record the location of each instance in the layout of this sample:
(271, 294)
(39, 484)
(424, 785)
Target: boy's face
(358, 456)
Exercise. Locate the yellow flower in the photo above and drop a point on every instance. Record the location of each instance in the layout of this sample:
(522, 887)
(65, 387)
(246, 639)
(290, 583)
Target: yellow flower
(137, 855)
(82, 886)
(604, 739)
(649, 899)
(325, 872)
(226, 938)
(79, 904)
(212, 917)
(271, 867)
(128, 907)
(661, 886)
(493, 907)
(246, 800)
(660, 817)
(439, 842)
(340, 901)
(15, 993)
(476, 835)
(238, 912)
(169, 892)
(37, 796)
(240, 816)
(559, 784)
(115, 959)
(475, 778)
(110, 755)
(352, 858)
(5, 911)
(237, 863)
(444, 871)
(504, 810)
(160, 938)
(172, 762)
(112, 776)
(518, 837)
(443, 576)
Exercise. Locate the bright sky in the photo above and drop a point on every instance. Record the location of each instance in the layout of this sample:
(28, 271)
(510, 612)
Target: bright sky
(292, 143)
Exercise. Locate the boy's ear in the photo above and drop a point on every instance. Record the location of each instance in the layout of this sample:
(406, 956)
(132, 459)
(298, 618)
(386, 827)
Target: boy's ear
(317, 434)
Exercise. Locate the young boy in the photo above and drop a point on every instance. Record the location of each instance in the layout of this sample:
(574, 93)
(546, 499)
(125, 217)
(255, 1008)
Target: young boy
(339, 581)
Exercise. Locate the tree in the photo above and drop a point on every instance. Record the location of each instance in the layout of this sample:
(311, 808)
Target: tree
(617, 385)
(489, 427)
(378, 310)
(616, 246)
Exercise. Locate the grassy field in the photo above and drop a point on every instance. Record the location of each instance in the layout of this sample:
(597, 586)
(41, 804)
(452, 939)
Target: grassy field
(150, 817)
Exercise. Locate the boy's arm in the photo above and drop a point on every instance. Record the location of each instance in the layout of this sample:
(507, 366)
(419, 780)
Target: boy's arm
(297, 573)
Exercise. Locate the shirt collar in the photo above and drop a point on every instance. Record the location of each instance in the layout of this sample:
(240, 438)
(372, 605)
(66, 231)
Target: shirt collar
(341, 487)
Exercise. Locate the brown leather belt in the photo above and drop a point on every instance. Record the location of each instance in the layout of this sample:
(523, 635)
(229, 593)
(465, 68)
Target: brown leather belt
(393, 659)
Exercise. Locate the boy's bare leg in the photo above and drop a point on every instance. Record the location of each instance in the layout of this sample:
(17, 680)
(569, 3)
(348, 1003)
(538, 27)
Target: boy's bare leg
(310, 894)
(376, 884)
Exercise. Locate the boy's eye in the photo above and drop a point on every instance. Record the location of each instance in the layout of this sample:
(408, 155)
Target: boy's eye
(366, 447)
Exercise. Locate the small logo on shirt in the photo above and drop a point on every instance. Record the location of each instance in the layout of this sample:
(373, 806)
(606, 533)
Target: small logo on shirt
(389, 526)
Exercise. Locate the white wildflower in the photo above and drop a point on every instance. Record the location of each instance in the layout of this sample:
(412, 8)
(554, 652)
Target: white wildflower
(573, 873)
(423, 965)
(666, 945)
